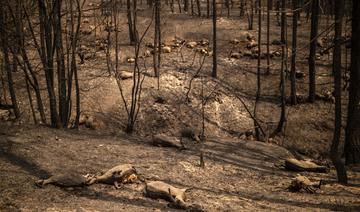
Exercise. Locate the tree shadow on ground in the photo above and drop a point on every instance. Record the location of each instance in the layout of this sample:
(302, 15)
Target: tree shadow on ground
(248, 195)
(22, 162)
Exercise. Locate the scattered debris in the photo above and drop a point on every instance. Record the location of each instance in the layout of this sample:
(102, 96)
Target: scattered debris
(276, 42)
(256, 55)
(320, 43)
(303, 183)
(203, 51)
(203, 42)
(166, 49)
(160, 100)
(247, 53)
(191, 44)
(192, 138)
(177, 42)
(299, 74)
(235, 41)
(300, 99)
(85, 21)
(146, 53)
(86, 31)
(130, 60)
(94, 123)
(4, 115)
(326, 95)
(90, 122)
(247, 35)
(190, 133)
(251, 44)
(236, 55)
(149, 45)
(277, 53)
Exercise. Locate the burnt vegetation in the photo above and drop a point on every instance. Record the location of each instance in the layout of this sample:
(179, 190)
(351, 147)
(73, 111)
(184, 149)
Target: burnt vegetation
(198, 105)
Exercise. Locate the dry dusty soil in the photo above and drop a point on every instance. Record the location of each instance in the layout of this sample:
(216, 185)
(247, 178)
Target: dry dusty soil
(240, 174)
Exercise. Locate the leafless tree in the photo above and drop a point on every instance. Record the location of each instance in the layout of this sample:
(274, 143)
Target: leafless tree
(293, 56)
(250, 15)
(242, 8)
(269, 2)
(352, 137)
(157, 42)
(131, 15)
(7, 64)
(208, 8)
(282, 77)
(133, 107)
(312, 54)
(24, 62)
(198, 5)
(334, 153)
(214, 68)
(186, 5)
(258, 89)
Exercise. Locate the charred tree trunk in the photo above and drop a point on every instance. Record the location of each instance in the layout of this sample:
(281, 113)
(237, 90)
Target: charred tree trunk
(47, 54)
(198, 5)
(186, 6)
(130, 23)
(282, 77)
(334, 154)
(242, 8)
(352, 139)
(74, 67)
(157, 41)
(11, 87)
(293, 56)
(268, 38)
(208, 8)
(28, 66)
(172, 6)
(7, 66)
(258, 89)
(60, 57)
(270, 4)
(192, 6)
(227, 4)
(31, 102)
(312, 54)
(214, 68)
(179, 4)
(251, 16)
(278, 12)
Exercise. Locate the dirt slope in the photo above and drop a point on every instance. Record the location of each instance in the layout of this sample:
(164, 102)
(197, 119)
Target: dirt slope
(239, 175)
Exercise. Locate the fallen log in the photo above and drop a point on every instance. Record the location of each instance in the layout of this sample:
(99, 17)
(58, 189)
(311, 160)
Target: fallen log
(120, 174)
(293, 164)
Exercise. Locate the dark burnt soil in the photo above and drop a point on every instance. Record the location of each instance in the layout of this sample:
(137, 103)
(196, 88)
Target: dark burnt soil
(238, 175)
